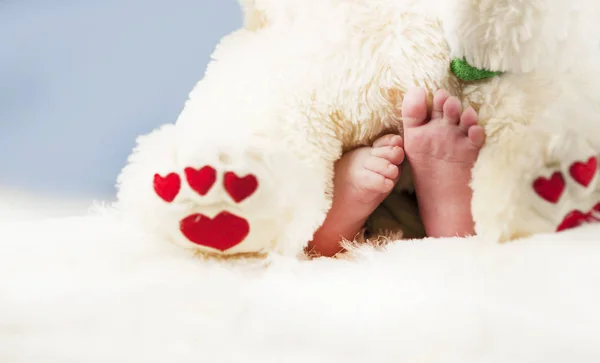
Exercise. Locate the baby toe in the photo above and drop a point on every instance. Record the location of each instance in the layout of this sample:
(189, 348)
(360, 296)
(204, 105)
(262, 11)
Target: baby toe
(382, 167)
(374, 182)
(476, 135)
(389, 140)
(452, 110)
(439, 100)
(468, 119)
(414, 108)
(393, 154)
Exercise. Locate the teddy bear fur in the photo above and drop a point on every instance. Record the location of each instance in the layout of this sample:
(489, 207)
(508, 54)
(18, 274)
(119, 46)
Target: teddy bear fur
(305, 80)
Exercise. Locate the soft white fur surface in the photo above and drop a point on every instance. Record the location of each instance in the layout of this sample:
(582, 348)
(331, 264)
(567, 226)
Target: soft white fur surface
(93, 289)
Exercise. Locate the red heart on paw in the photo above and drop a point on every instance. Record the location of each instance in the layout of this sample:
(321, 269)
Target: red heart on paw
(572, 220)
(550, 189)
(201, 180)
(583, 173)
(167, 187)
(577, 218)
(240, 188)
(221, 233)
(595, 213)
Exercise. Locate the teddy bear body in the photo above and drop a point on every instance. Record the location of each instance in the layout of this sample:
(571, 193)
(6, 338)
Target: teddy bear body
(248, 165)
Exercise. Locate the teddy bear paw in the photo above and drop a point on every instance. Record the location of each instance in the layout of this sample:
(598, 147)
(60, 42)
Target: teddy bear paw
(222, 208)
(208, 195)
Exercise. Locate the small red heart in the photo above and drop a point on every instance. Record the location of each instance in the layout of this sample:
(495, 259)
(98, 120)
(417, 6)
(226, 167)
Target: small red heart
(240, 188)
(572, 220)
(550, 189)
(584, 173)
(167, 187)
(221, 233)
(201, 180)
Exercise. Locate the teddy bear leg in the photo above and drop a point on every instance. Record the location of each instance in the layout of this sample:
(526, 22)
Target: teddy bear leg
(527, 181)
(224, 196)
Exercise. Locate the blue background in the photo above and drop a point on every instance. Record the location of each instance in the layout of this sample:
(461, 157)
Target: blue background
(80, 80)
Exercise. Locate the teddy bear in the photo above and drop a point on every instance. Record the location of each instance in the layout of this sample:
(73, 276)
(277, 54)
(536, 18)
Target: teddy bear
(247, 166)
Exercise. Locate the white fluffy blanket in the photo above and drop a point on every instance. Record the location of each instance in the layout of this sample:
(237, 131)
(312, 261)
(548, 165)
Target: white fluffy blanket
(92, 289)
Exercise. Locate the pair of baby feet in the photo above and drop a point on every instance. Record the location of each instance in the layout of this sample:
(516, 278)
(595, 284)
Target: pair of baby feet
(441, 149)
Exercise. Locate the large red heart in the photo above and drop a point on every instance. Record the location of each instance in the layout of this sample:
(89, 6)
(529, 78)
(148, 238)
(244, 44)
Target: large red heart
(221, 233)
(577, 218)
(240, 188)
(167, 187)
(201, 180)
(583, 172)
(550, 189)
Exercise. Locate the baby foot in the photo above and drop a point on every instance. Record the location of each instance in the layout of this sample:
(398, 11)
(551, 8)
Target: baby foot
(442, 152)
(363, 179)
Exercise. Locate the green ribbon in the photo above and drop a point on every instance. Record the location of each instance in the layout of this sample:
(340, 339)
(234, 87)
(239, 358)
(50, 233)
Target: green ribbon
(462, 70)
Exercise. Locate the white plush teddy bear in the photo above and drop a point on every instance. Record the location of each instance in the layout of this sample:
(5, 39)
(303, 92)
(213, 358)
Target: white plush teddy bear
(247, 167)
